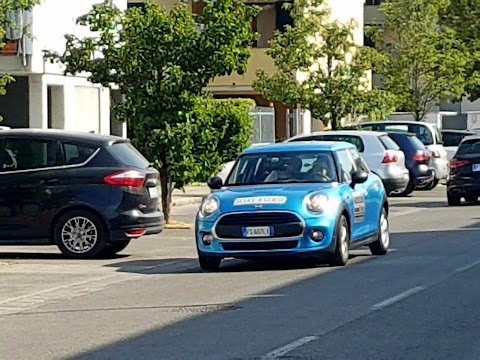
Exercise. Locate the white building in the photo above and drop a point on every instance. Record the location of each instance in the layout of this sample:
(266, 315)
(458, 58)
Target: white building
(41, 96)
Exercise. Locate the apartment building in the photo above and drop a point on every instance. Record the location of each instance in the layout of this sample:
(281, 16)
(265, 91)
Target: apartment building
(272, 120)
(41, 96)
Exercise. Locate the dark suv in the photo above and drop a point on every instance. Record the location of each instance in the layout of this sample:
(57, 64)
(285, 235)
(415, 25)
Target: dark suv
(89, 194)
(417, 159)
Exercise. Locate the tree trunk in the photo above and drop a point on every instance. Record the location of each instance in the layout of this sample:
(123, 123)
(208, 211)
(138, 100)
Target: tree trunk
(167, 189)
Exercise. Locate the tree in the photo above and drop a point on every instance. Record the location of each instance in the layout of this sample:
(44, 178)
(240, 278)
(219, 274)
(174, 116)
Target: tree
(161, 61)
(320, 67)
(463, 16)
(6, 6)
(421, 62)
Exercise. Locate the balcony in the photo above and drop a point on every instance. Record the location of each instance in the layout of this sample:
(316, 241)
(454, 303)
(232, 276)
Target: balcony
(243, 83)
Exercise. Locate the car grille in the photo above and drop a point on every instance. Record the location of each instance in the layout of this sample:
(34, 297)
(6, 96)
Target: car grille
(285, 224)
(267, 245)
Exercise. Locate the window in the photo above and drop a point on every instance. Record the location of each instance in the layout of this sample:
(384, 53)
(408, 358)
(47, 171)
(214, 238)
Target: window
(347, 167)
(76, 153)
(128, 155)
(30, 153)
(388, 143)
(359, 162)
(355, 140)
(469, 147)
(286, 167)
(373, 2)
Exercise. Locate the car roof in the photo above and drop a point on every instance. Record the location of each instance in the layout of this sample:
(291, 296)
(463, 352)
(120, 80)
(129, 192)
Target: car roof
(471, 137)
(342, 132)
(65, 135)
(300, 146)
(410, 122)
(455, 131)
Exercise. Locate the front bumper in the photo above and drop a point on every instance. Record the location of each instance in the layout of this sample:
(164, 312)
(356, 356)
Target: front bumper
(267, 246)
(121, 228)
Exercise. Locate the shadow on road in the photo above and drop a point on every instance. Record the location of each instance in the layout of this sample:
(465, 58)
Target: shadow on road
(190, 266)
(49, 256)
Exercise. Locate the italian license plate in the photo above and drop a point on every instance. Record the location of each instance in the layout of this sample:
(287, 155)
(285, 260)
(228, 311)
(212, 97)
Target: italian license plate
(153, 192)
(476, 167)
(258, 231)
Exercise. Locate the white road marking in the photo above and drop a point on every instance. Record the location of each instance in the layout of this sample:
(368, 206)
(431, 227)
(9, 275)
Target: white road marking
(466, 267)
(394, 299)
(403, 212)
(283, 350)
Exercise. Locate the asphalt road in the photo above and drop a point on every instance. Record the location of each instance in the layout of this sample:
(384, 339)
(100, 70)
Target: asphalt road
(420, 301)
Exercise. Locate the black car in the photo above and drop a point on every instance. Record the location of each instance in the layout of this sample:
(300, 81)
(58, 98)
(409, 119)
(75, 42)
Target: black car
(417, 159)
(89, 194)
(463, 179)
(451, 137)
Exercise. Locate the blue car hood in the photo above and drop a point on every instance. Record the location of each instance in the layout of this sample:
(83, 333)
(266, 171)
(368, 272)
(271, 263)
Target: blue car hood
(275, 196)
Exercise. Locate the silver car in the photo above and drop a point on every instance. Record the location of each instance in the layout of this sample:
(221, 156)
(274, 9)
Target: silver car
(428, 134)
(380, 152)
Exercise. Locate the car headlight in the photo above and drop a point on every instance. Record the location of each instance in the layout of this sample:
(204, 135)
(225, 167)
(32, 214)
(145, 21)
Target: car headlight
(317, 203)
(209, 206)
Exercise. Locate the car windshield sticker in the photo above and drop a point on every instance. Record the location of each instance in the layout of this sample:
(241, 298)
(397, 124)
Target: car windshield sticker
(257, 200)
(359, 206)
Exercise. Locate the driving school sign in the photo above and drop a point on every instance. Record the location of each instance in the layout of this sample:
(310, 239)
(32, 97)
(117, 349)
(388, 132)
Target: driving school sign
(260, 200)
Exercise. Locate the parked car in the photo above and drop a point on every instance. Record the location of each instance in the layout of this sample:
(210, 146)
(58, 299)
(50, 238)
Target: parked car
(463, 181)
(382, 154)
(417, 160)
(452, 138)
(89, 194)
(427, 133)
(299, 198)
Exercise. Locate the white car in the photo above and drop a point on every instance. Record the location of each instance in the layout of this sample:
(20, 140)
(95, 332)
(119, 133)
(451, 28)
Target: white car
(380, 152)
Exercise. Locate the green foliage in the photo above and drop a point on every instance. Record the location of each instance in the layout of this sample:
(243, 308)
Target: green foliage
(463, 16)
(421, 62)
(161, 60)
(5, 7)
(333, 68)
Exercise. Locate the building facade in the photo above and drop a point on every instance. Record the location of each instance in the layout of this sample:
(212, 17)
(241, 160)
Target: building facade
(42, 97)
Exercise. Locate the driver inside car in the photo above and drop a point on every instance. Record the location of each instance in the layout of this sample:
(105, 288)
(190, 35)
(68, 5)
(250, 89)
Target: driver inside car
(291, 172)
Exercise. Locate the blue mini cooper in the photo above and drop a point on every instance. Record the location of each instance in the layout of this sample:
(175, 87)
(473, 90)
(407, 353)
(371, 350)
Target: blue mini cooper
(310, 198)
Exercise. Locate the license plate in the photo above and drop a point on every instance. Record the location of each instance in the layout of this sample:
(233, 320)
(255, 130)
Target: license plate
(476, 167)
(153, 192)
(258, 231)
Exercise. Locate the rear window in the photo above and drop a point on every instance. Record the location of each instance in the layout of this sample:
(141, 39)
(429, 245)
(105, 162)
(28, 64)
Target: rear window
(355, 140)
(416, 143)
(423, 132)
(128, 155)
(469, 147)
(453, 138)
(406, 140)
(388, 143)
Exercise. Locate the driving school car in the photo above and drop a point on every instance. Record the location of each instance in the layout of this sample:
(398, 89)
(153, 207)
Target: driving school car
(299, 198)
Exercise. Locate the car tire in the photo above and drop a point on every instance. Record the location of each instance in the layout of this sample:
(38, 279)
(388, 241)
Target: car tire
(381, 245)
(114, 248)
(84, 226)
(342, 243)
(453, 200)
(209, 263)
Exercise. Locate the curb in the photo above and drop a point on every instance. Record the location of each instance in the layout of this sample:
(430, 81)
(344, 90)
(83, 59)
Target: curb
(183, 202)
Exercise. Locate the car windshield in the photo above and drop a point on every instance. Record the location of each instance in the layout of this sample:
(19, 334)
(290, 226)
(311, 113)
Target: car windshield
(469, 147)
(286, 167)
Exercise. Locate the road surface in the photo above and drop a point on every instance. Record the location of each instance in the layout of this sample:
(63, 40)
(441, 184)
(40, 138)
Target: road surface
(418, 302)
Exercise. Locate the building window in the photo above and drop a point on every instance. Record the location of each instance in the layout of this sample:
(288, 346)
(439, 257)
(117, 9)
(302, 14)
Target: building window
(373, 2)
(271, 18)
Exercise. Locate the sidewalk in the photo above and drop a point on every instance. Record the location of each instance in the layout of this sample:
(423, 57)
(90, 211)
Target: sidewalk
(193, 195)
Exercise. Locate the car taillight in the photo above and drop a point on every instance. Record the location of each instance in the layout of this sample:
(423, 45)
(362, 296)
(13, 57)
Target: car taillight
(454, 163)
(436, 154)
(421, 156)
(388, 157)
(132, 178)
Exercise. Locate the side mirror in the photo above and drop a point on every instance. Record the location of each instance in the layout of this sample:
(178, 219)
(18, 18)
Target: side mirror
(359, 177)
(215, 182)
